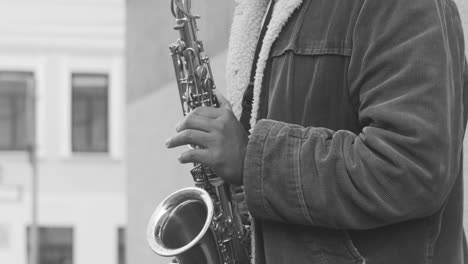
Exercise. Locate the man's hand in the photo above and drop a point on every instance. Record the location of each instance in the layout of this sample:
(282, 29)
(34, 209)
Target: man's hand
(220, 137)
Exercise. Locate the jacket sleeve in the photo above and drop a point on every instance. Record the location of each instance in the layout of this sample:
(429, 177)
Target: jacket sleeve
(406, 70)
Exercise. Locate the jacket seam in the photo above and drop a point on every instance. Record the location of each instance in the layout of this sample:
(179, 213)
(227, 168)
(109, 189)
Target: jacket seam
(298, 26)
(262, 193)
(429, 247)
(298, 178)
(354, 101)
(352, 249)
(341, 50)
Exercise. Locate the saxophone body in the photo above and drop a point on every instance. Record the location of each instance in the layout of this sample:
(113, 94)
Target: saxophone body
(199, 224)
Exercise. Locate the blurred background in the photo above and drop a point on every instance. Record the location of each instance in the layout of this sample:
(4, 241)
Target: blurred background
(87, 99)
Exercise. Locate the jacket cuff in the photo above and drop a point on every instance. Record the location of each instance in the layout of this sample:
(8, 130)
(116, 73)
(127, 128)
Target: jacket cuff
(253, 168)
(272, 173)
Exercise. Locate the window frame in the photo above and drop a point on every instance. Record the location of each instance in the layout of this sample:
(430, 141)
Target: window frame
(107, 132)
(30, 86)
(40, 228)
(116, 104)
(36, 66)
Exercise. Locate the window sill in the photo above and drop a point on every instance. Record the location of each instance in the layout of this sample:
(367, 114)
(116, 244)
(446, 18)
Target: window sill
(23, 157)
(20, 156)
(91, 157)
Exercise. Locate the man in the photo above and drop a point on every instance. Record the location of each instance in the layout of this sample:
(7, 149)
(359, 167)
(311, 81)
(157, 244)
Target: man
(356, 128)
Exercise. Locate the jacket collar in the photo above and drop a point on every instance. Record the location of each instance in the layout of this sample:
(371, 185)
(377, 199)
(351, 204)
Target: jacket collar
(245, 31)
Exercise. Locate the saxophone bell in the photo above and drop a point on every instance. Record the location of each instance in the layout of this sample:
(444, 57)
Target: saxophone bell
(180, 227)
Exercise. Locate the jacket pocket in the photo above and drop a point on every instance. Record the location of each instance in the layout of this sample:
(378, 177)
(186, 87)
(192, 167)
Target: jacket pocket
(317, 28)
(352, 249)
(315, 47)
(333, 247)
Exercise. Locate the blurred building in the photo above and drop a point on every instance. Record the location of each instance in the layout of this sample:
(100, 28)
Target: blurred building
(69, 57)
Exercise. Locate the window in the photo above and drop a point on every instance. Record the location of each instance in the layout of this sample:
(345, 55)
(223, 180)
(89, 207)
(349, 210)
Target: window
(17, 122)
(55, 245)
(121, 245)
(90, 112)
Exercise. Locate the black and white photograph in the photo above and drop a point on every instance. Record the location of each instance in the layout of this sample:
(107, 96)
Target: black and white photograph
(233, 131)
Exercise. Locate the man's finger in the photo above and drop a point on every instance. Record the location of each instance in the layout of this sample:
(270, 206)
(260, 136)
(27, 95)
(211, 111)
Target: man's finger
(197, 122)
(196, 156)
(223, 102)
(189, 137)
(205, 111)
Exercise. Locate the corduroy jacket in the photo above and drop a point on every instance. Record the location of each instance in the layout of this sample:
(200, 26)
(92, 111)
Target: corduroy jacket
(359, 114)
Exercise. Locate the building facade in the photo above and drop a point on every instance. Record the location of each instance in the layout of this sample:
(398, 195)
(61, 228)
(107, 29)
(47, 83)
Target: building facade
(62, 87)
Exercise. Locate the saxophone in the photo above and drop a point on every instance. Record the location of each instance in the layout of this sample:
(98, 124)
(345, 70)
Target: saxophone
(199, 224)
